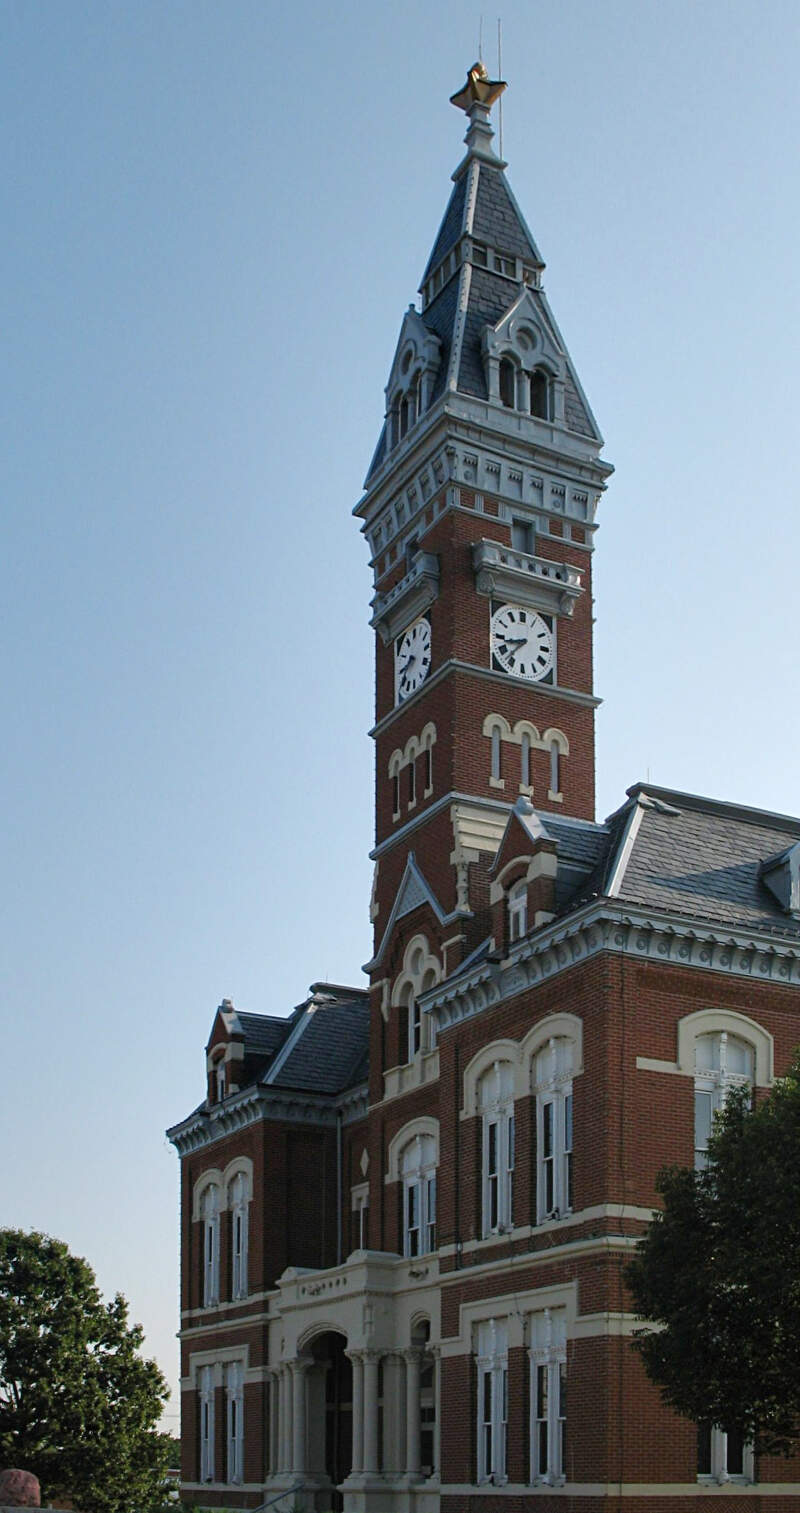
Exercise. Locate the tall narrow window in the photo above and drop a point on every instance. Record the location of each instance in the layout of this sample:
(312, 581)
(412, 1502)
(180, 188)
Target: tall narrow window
(525, 761)
(540, 395)
(508, 383)
(497, 753)
(553, 1072)
(220, 1080)
(555, 767)
(496, 1102)
(518, 911)
(404, 416)
(235, 1396)
(428, 769)
(418, 1169)
(210, 1246)
(492, 1353)
(396, 795)
(722, 1062)
(412, 782)
(206, 1424)
(239, 1203)
(548, 1362)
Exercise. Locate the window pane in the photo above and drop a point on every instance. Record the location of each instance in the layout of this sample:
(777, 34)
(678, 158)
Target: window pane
(703, 1113)
(547, 1130)
(735, 1457)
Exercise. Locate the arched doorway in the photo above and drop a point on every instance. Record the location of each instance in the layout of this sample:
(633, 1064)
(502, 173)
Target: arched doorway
(330, 1386)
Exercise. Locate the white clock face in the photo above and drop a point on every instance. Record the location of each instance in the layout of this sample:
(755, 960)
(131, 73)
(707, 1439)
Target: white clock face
(521, 642)
(412, 659)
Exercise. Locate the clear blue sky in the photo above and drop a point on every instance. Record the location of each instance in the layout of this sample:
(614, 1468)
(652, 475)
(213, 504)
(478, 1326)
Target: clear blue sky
(214, 218)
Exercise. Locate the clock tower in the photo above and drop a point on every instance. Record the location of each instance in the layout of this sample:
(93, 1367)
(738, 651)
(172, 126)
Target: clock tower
(479, 510)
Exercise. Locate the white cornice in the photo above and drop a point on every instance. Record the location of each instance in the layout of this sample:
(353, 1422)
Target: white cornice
(284, 1105)
(641, 934)
(550, 690)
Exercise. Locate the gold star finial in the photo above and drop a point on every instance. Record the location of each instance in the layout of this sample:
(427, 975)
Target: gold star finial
(478, 90)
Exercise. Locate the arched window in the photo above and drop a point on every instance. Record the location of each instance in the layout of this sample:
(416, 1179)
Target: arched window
(420, 973)
(418, 1171)
(508, 383)
(497, 753)
(412, 782)
(210, 1212)
(555, 769)
(552, 1084)
(238, 1201)
(540, 394)
(722, 1062)
(234, 1391)
(206, 1423)
(518, 911)
(403, 416)
(525, 760)
(496, 1103)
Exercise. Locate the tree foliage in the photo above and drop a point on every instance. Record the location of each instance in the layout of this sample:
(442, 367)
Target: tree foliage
(78, 1404)
(719, 1272)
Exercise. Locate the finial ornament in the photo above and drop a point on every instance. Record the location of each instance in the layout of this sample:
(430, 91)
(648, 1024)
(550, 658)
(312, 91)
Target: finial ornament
(478, 90)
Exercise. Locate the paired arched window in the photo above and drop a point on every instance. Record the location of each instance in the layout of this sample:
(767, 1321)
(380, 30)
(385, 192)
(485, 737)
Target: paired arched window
(420, 972)
(521, 390)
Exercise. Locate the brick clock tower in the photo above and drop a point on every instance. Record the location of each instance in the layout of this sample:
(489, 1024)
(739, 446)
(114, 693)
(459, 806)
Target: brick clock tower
(406, 1211)
(479, 511)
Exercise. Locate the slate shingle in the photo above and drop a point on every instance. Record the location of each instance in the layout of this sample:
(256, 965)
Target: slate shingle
(330, 1054)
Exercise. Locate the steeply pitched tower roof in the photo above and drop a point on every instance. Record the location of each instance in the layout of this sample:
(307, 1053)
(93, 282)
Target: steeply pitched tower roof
(483, 256)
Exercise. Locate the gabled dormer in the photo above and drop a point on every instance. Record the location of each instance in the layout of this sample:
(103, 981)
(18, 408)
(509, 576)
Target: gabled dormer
(527, 368)
(522, 885)
(413, 375)
(224, 1053)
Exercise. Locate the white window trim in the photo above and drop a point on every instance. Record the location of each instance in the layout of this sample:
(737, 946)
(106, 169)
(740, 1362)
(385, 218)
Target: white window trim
(494, 1369)
(551, 1358)
(211, 1247)
(419, 1188)
(239, 1238)
(719, 1463)
(554, 1092)
(497, 1113)
(234, 1392)
(206, 1423)
(715, 1084)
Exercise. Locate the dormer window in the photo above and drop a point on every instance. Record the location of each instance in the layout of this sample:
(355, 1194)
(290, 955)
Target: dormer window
(220, 1080)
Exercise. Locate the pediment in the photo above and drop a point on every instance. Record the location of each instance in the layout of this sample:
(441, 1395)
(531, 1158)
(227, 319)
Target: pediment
(525, 834)
(413, 891)
(525, 330)
(418, 351)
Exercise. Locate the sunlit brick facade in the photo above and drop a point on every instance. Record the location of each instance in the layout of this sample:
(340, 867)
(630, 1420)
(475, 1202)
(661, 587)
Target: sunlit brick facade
(406, 1209)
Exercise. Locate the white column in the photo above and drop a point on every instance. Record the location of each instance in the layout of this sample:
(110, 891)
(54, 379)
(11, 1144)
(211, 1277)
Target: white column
(437, 1408)
(413, 1461)
(286, 1376)
(394, 1414)
(358, 1412)
(371, 1412)
(299, 1415)
(280, 1411)
(273, 1424)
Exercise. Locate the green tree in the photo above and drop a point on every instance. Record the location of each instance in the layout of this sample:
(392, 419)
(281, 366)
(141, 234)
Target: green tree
(718, 1273)
(78, 1404)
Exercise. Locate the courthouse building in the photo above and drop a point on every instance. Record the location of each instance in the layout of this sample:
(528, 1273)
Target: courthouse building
(406, 1207)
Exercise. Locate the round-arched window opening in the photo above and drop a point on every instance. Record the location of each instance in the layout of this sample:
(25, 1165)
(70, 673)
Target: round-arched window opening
(540, 394)
(508, 383)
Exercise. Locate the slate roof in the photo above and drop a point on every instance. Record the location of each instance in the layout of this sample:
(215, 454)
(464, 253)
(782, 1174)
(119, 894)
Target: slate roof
(263, 1034)
(329, 1052)
(451, 227)
(702, 858)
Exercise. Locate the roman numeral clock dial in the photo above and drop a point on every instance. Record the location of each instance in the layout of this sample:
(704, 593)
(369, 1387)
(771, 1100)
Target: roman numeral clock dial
(412, 659)
(521, 642)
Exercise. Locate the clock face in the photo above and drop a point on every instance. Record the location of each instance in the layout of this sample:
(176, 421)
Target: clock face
(412, 659)
(521, 642)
